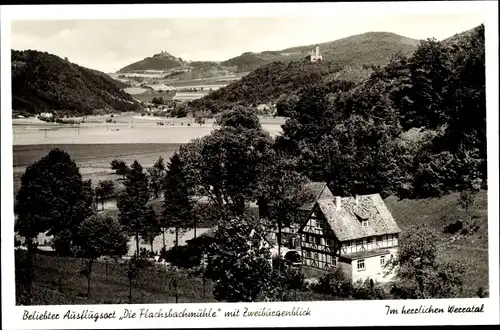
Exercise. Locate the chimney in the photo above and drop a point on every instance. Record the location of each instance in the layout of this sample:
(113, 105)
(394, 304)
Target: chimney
(317, 50)
(356, 199)
(337, 202)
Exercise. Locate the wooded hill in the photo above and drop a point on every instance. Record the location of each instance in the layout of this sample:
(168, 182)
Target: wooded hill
(45, 82)
(371, 47)
(265, 84)
(415, 128)
(279, 75)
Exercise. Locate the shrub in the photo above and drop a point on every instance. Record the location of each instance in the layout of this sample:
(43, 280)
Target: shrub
(334, 283)
(183, 256)
(368, 290)
(62, 243)
(145, 253)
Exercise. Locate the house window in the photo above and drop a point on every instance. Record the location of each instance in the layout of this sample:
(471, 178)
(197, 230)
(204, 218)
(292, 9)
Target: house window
(361, 264)
(308, 254)
(306, 238)
(379, 240)
(311, 239)
(318, 240)
(390, 240)
(365, 223)
(334, 262)
(395, 238)
(382, 260)
(328, 242)
(316, 256)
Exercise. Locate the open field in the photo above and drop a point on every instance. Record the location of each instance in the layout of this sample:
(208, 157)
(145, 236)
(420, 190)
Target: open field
(127, 129)
(93, 159)
(95, 144)
(150, 95)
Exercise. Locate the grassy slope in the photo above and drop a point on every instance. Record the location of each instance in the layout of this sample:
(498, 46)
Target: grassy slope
(438, 213)
(151, 286)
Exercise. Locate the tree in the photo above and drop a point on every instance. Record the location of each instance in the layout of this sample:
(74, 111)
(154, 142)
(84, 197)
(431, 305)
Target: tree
(97, 236)
(120, 167)
(224, 167)
(151, 228)
(132, 202)
(158, 100)
(104, 189)
(157, 177)
(238, 263)
(469, 176)
(286, 104)
(199, 119)
(239, 117)
(420, 274)
(177, 206)
(430, 71)
(282, 191)
(53, 181)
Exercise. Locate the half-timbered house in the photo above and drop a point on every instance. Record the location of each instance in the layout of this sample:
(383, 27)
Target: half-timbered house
(357, 234)
(290, 237)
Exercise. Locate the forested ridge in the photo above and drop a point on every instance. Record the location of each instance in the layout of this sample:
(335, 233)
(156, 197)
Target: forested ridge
(45, 82)
(415, 128)
(265, 84)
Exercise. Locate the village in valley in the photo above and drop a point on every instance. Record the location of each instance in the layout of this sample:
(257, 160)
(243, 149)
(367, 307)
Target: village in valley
(344, 170)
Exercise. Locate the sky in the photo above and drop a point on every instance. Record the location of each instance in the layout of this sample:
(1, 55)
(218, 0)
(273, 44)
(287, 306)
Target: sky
(108, 45)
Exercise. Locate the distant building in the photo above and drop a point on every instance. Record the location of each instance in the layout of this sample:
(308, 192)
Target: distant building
(315, 55)
(46, 115)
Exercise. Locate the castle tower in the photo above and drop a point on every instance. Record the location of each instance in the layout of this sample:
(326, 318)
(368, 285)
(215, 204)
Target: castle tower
(316, 55)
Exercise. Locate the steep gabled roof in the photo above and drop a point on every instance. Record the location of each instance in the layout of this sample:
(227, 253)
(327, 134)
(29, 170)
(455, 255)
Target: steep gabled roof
(320, 191)
(346, 224)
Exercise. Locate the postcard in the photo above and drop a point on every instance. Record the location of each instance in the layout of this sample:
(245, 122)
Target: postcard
(235, 165)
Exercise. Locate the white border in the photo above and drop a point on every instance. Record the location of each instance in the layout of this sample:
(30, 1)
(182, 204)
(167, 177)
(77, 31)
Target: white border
(349, 313)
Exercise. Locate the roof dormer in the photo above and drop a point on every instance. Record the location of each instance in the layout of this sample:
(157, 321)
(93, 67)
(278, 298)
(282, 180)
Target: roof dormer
(363, 217)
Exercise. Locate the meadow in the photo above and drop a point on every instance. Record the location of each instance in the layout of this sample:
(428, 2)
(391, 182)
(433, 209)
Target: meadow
(125, 129)
(96, 143)
(437, 214)
(58, 282)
